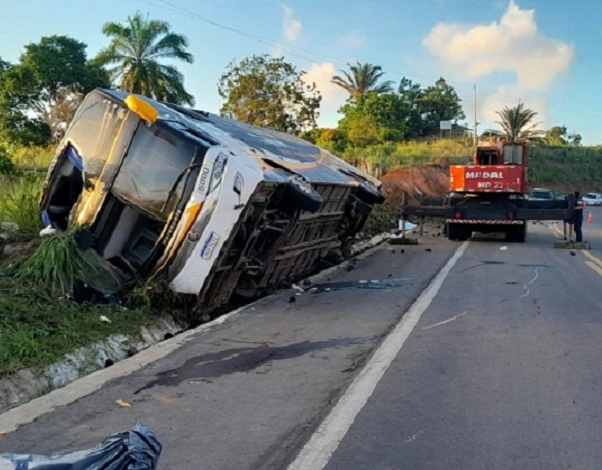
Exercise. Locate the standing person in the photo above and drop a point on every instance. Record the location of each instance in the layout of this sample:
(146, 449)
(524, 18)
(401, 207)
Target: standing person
(578, 217)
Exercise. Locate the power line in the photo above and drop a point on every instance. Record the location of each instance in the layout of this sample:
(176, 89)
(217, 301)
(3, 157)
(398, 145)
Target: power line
(261, 39)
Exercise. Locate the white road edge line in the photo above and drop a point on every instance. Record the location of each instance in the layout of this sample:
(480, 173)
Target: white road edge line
(323, 443)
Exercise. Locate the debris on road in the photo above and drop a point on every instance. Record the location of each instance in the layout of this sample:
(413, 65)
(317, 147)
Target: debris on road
(138, 448)
(123, 404)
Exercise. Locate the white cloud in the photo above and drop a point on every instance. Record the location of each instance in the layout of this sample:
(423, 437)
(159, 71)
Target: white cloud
(291, 26)
(352, 40)
(510, 96)
(512, 44)
(333, 96)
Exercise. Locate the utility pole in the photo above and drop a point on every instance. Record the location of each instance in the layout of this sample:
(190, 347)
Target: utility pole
(475, 114)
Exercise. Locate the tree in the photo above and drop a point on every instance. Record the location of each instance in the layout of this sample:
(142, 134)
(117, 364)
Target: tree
(517, 123)
(410, 95)
(39, 95)
(575, 139)
(134, 56)
(269, 92)
(4, 66)
(362, 80)
(439, 103)
(385, 113)
(556, 135)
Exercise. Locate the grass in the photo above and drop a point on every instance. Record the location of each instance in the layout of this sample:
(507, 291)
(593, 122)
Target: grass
(33, 159)
(58, 263)
(19, 201)
(37, 329)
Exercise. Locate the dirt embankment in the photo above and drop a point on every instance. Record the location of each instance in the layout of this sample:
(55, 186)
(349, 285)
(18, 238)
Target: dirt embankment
(417, 184)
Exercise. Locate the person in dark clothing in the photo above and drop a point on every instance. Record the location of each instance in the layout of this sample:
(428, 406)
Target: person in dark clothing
(578, 217)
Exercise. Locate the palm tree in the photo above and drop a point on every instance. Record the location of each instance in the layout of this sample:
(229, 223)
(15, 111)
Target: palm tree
(134, 54)
(517, 123)
(362, 79)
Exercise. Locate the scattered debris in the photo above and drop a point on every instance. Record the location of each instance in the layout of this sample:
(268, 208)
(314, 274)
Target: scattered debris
(307, 282)
(123, 404)
(104, 319)
(429, 250)
(512, 282)
(403, 241)
(374, 284)
(47, 231)
(455, 317)
(292, 299)
(132, 351)
(573, 253)
(503, 248)
(297, 288)
(402, 251)
(350, 267)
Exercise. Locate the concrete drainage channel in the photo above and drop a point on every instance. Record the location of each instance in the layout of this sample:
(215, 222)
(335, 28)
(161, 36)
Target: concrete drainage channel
(28, 384)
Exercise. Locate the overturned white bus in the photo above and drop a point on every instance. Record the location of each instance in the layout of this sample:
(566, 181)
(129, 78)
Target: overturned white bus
(215, 207)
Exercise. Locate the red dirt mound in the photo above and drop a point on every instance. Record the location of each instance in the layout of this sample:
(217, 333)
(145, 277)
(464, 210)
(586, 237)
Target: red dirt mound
(417, 183)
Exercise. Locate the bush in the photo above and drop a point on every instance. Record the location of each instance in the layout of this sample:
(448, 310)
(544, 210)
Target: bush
(32, 158)
(19, 201)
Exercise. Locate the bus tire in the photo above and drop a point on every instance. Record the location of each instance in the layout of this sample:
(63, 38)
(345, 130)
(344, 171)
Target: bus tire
(303, 196)
(369, 195)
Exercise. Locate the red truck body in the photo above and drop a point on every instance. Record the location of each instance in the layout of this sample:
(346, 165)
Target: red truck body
(495, 169)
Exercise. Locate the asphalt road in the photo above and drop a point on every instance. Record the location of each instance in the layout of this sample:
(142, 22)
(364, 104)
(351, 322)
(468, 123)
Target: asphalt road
(500, 371)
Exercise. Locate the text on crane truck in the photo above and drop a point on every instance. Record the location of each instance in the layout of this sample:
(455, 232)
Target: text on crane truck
(484, 175)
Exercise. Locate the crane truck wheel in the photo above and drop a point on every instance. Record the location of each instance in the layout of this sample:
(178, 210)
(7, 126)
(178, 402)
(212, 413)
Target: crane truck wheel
(453, 231)
(464, 233)
(517, 233)
(521, 233)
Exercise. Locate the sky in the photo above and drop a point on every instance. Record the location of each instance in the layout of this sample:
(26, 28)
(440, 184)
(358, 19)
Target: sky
(545, 53)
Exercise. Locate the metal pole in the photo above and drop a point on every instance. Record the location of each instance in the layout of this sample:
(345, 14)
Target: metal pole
(475, 114)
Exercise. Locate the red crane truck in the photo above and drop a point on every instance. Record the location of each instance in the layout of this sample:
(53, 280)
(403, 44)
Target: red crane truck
(489, 195)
